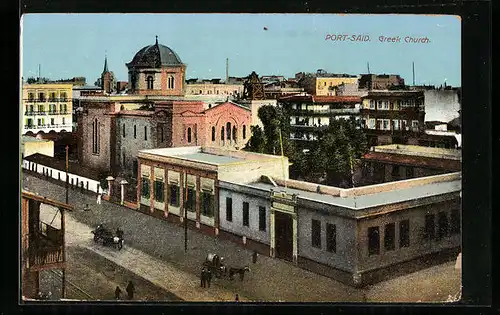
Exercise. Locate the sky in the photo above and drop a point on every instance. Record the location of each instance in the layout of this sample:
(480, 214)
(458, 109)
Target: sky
(71, 45)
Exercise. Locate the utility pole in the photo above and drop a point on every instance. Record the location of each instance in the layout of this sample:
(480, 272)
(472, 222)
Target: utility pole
(368, 66)
(185, 213)
(227, 70)
(63, 277)
(67, 178)
(413, 70)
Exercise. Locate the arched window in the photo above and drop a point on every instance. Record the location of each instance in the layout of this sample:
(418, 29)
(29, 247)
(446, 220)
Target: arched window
(213, 133)
(244, 131)
(149, 79)
(123, 130)
(235, 133)
(135, 132)
(189, 135)
(222, 133)
(145, 133)
(170, 82)
(95, 136)
(228, 131)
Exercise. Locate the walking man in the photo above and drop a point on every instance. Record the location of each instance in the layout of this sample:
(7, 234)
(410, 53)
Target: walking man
(98, 198)
(130, 290)
(118, 292)
(203, 276)
(237, 298)
(209, 277)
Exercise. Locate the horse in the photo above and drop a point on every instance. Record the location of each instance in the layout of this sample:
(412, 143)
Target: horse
(240, 271)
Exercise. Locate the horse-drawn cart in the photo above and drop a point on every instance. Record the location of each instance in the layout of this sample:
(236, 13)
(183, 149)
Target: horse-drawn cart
(107, 237)
(215, 264)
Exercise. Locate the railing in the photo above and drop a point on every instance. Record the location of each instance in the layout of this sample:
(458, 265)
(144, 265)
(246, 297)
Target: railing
(46, 256)
(29, 113)
(39, 112)
(52, 112)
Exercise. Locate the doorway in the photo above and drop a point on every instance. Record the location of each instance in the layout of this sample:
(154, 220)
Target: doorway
(283, 230)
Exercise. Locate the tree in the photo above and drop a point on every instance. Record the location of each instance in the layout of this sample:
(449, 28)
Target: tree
(257, 141)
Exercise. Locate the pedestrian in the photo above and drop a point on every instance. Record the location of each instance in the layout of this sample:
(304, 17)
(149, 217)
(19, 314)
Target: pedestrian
(118, 292)
(254, 257)
(98, 198)
(202, 277)
(237, 298)
(130, 290)
(209, 277)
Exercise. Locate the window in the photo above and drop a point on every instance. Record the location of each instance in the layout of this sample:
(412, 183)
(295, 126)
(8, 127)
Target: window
(162, 139)
(170, 83)
(135, 132)
(373, 241)
(371, 123)
(379, 105)
(331, 238)
(145, 187)
(395, 124)
(31, 96)
(145, 133)
(262, 218)
(213, 133)
(207, 206)
(395, 170)
(95, 136)
(229, 209)
(173, 195)
(189, 134)
(191, 199)
(222, 133)
(150, 82)
(409, 172)
(123, 159)
(64, 122)
(246, 214)
(41, 109)
(404, 233)
(159, 191)
(61, 108)
(390, 236)
(395, 106)
(385, 124)
(429, 230)
(235, 133)
(386, 105)
(442, 225)
(414, 125)
(63, 96)
(123, 130)
(372, 104)
(228, 131)
(455, 221)
(41, 97)
(316, 233)
(244, 131)
(65, 108)
(52, 121)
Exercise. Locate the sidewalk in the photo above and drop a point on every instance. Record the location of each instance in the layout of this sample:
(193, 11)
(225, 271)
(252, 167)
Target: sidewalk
(186, 286)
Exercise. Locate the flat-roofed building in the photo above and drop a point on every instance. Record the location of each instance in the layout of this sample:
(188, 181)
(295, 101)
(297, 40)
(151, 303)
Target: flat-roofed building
(358, 236)
(32, 145)
(166, 175)
(399, 162)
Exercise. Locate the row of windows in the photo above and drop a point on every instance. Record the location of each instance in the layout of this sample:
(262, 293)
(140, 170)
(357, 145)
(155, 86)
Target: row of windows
(52, 96)
(228, 132)
(389, 237)
(150, 80)
(331, 236)
(206, 197)
(41, 122)
(63, 108)
(395, 105)
(217, 92)
(135, 132)
(246, 214)
(386, 124)
(444, 228)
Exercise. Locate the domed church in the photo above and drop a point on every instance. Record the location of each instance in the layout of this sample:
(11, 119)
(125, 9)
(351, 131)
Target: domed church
(156, 70)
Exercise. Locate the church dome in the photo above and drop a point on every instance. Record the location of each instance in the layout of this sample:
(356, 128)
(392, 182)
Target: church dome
(155, 56)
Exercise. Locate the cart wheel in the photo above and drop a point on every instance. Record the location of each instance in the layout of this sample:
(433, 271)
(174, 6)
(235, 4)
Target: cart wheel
(96, 238)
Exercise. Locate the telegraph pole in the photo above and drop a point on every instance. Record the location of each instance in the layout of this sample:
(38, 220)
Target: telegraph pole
(185, 213)
(63, 293)
(67, 178)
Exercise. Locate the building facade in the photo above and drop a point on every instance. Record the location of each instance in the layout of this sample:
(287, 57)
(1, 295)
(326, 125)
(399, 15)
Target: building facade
(167, 175)
(400, 162)
(323, 83)
(214, 87)
(46, 108)
(309, 113)
(393, 117)
(380, 81)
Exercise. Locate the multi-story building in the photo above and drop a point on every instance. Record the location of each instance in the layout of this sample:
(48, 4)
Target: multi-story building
(47, 108)
(42, 240)
(275, 90)
(310, 114)
(358, 236)
(380, 81)
(323, 83)
(393, 117)
(395, 162)
(213, 87)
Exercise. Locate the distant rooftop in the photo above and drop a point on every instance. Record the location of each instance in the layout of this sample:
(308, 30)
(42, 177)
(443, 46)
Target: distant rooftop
(32, 139)
(420, 151)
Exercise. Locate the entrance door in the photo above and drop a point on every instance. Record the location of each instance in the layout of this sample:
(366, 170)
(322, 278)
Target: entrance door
(283, 230)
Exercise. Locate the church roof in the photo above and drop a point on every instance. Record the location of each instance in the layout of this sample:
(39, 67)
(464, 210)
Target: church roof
(155, 56)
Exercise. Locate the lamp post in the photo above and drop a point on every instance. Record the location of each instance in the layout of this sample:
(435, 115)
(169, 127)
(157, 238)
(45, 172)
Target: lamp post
(110, 180)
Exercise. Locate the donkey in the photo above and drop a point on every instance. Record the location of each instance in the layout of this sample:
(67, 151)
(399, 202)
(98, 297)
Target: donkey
(240, 271)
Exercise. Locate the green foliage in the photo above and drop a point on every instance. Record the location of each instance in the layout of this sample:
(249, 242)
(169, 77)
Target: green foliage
(102, 180)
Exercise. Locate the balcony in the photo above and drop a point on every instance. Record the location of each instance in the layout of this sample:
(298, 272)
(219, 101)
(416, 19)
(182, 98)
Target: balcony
(29, 127)
(52, 112)
(29, 113)
(40, 113)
